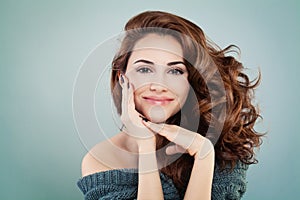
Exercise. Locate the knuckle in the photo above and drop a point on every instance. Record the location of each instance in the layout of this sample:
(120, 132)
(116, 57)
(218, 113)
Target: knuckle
(173, 128)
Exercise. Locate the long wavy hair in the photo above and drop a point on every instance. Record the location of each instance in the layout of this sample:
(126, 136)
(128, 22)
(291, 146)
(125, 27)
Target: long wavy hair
(238, 138)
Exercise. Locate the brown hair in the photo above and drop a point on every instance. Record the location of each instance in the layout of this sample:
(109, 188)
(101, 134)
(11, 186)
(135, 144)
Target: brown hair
(238, 137)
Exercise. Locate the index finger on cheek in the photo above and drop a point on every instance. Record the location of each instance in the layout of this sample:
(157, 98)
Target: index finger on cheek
(124, 95)
(130, 94)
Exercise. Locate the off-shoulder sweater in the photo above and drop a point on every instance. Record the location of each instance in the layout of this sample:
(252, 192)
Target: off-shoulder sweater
(123, 184)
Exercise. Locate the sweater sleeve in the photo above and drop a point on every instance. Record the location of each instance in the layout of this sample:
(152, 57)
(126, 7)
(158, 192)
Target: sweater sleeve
(120, 184)
(229, 185)
(109, 185)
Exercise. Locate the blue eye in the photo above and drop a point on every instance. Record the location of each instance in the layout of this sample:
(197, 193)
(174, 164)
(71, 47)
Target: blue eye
(176, 71)
(144, 70)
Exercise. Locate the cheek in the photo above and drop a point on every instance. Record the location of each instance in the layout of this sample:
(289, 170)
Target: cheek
(180, 87)
(137, 99)
(137, 79)
(182, 93)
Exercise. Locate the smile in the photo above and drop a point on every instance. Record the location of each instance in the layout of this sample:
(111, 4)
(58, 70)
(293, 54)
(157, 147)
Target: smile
(158, 100)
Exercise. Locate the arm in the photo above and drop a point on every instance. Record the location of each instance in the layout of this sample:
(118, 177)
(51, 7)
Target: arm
(149, 179)
(200, 184)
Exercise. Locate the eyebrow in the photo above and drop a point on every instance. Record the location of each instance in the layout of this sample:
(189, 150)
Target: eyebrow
(152, 63)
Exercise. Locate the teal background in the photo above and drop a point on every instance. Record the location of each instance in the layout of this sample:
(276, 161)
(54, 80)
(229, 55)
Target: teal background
(43, 43)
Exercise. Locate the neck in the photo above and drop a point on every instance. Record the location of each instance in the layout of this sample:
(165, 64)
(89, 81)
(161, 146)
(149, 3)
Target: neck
(128, 143)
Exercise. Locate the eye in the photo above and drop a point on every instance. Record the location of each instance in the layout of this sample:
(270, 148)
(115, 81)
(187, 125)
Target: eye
(176, 71)
(144, 70)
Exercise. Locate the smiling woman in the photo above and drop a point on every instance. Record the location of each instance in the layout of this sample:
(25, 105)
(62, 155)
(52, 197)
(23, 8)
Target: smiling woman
(158, 76)
(187, 114)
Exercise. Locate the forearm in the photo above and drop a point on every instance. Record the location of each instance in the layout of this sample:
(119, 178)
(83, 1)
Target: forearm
(200, 183)
(149, 180)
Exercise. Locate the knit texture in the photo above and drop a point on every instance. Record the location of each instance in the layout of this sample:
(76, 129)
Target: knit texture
(123, 184)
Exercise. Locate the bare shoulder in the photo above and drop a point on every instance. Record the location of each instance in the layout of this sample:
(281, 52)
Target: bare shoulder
(90, 164)
(98, 159)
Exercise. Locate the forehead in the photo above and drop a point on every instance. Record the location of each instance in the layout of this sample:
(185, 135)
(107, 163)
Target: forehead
(158, 44)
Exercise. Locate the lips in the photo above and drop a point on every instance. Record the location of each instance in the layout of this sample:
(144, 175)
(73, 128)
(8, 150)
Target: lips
(158, 100)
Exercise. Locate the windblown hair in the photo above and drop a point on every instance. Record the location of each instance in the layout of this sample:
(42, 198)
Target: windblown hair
(238, 138)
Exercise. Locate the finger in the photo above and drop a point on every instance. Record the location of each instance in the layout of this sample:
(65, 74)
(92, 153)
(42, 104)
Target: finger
(132, 114)
(157, 128)
(175, 134)
(162, 129)
(129, 98)
(174, 149)
(131, 105)
(124, 96)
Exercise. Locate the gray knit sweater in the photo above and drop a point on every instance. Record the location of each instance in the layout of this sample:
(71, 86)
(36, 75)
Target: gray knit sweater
(123, 184)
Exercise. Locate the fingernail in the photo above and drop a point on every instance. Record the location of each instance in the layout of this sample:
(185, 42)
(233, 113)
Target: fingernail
(122, 79)
(145, 120)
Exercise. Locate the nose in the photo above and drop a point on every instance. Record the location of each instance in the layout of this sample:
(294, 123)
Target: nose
(157, 87)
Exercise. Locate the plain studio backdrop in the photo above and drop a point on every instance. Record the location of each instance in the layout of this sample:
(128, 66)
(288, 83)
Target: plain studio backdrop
(44, 43)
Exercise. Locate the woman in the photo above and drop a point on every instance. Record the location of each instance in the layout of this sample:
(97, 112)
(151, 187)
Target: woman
(187, 118)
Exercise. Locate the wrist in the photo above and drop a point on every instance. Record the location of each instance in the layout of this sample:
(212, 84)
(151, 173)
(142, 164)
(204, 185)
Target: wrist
(146, 146)
(206, 149)
(147, 160)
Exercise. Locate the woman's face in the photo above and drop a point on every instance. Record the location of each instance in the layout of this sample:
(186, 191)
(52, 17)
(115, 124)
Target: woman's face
(159, 76)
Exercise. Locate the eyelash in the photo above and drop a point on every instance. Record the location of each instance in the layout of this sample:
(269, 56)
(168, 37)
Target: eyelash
(177, 70)
(180, 71)
(142, 70)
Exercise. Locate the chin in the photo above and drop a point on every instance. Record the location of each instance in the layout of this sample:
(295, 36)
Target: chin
(157, 119)
(156, 114)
